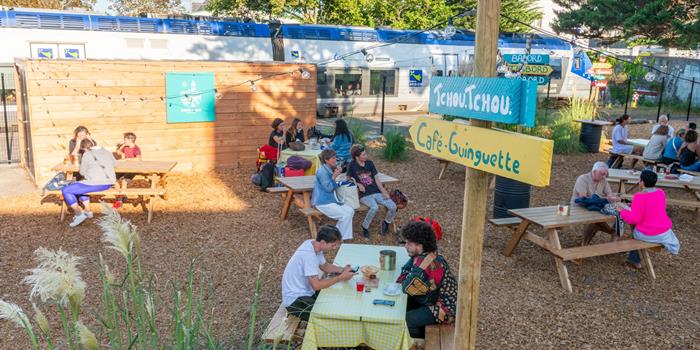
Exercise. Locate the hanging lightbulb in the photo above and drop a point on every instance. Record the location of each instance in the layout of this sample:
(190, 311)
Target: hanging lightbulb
(304, 73)
(502, 68)
(252, 86)
(449, 30)
(217, 94)
(650, 76)
(368, 56)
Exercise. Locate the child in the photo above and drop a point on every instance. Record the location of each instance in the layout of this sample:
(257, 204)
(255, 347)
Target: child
(128, 149)
(648, 215)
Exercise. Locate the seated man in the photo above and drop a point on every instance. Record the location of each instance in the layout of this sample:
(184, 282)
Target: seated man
(300, 282)
(663, 120)
(427, 279)
(586, 186)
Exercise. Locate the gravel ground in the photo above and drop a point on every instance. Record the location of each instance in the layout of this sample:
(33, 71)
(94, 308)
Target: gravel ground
(230, 228)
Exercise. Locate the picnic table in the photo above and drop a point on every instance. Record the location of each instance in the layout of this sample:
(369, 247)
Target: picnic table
(299, 190)
(628, 183)
(638, 142)
(343, 317)
(155, 173)
(552, 223)
(308, 154)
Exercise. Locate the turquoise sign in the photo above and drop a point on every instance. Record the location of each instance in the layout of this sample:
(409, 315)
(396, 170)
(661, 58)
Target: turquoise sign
(531, 58)
(509, 101)
(190, 97)
(540, 79)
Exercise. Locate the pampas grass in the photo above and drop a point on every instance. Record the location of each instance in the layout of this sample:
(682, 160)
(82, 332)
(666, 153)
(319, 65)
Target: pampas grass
(57, 278)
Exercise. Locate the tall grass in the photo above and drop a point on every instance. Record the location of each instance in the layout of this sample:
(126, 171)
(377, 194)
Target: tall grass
(358, 129)
(394, 145)
(128, 314)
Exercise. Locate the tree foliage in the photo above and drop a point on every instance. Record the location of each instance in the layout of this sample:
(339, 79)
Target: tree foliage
(137, 7)
(50, 4)
(666, 22)
(400, 14)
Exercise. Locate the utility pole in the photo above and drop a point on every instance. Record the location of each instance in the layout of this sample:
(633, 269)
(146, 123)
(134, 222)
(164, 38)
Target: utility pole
(475, 189)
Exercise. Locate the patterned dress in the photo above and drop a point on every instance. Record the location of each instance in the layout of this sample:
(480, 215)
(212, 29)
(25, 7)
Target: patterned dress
(428, 280)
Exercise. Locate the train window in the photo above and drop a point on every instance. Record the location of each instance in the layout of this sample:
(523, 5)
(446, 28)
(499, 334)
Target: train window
(555, 62)
(348, 84)
(375, 86)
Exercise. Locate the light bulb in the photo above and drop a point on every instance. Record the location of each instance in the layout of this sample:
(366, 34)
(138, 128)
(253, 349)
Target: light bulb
(305, 73)
(502, 68)
(369, 57)
(650, 76)
(252, 86)
(449, 30)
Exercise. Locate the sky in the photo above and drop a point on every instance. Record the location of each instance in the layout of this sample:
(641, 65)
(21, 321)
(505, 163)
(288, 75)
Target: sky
(103, 5)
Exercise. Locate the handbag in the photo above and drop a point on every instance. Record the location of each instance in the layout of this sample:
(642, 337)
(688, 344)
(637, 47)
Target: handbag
(297, 146)
(399, 198)
(346, 193)
(56, 183)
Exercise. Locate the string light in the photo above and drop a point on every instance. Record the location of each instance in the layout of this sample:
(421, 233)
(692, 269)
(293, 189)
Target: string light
(252, 86)
(304, 73)
(449, 30)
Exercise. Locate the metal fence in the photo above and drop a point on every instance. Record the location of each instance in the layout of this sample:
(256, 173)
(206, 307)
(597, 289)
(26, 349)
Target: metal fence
(9, 130)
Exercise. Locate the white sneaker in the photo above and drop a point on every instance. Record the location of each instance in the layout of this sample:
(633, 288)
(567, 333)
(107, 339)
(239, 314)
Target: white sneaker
(88, 214)
(78, 219)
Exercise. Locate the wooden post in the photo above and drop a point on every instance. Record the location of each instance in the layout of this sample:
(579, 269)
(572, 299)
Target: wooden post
(475, 189)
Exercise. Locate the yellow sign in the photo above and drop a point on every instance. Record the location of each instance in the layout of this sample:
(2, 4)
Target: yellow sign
(533, 69)
(516, 156)
(601, 65)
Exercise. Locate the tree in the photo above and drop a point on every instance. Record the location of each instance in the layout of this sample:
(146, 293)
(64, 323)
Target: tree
(667, 22)
(137, 7)
(50, 4)
(400, 14)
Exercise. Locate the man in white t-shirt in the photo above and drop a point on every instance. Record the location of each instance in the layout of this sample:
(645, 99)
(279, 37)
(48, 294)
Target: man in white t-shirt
(663, 120)
(300, 281)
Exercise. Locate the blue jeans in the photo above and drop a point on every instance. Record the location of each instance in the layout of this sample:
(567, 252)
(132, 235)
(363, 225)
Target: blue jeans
(692, 167)
(373, 201)
(77, 190)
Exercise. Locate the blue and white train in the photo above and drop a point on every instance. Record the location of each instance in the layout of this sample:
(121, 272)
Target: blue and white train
(349, 85)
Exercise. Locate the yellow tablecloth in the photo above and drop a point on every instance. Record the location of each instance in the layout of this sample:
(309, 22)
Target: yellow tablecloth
(342, 317)
(309, 154)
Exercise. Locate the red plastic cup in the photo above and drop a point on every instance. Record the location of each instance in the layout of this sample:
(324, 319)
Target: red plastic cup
(360, 285)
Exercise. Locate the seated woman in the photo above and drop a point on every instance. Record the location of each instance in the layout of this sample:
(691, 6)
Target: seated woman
(657, 143)
(97, 167)
(79, 134)
(619, 137)
(372, 192)
(295, 133)
(342, 140)
(690, 152)
(648, 215)
(323, 196)
(673, 145)
(276, 139)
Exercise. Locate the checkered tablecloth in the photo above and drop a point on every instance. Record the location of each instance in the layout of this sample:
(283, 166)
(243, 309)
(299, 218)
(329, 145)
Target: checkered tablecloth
(342, 317)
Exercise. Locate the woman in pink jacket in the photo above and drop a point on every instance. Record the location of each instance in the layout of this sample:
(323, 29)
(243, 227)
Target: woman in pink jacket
(648, 216)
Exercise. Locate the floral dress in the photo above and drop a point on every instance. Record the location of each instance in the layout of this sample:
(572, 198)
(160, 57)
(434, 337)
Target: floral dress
(427, 278)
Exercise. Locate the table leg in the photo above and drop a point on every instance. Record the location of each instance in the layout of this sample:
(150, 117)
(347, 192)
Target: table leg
(287, 203)
(443, 168)
(164, 185)
(553, 236)
(647, 263)
(518, 234)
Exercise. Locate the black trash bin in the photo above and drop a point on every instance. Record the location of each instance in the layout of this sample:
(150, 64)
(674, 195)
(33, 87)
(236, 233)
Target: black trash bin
(590, 134)
(509, 194)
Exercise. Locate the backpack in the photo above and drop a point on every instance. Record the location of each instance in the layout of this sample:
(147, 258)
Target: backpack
(296, 162)
(267, 174)
(56, 183)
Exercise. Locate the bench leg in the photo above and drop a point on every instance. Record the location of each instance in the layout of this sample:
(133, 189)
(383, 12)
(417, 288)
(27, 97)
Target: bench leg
(647, 263)
(561, 267)
(312, 227)
(287, 203)
(63, 210)
(518, 234)
(151, 205)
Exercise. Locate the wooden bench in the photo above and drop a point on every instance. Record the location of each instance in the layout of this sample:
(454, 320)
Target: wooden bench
(146, 197)
(506, 222)
(439, 337)
(280, 189)
(282, 328)
(621, 246)
(620, 158)
(316, 217)
(693, 173)
(694, 204)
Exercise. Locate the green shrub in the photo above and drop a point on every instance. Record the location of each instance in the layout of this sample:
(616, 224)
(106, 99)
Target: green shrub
(395, 145)
(358, 129)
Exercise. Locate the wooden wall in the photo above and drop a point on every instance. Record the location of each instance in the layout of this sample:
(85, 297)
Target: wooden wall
(113, 97)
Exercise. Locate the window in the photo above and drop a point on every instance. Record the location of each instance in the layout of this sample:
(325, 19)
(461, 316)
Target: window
(375, 86)
(348, 84)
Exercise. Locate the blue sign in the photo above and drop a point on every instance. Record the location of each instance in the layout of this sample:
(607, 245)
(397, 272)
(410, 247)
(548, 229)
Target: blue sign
(45, 52)
(509, 101)
(531, 59)
(190, 97)
(71, 53)
(415, 77)
(295, 54)
(540, 79)
(581, 64)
